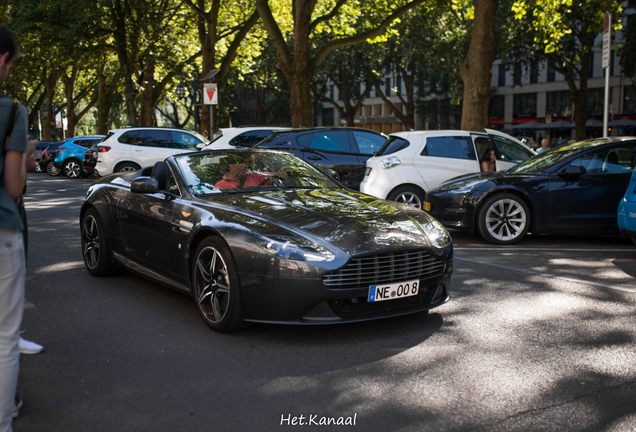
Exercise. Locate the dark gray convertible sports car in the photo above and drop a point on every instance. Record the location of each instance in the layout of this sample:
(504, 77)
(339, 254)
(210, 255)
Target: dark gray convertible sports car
(262, 236)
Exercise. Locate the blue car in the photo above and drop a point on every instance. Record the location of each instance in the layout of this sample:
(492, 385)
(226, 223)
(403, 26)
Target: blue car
(627, 210)
(70, 155)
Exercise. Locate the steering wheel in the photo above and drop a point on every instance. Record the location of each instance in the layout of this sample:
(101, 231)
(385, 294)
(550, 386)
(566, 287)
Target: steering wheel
(272, 177)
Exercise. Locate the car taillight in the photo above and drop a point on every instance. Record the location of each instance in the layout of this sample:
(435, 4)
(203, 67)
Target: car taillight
(103, 149)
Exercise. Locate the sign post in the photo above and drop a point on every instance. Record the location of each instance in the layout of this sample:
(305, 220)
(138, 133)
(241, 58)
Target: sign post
(210, 97)
(607, 42)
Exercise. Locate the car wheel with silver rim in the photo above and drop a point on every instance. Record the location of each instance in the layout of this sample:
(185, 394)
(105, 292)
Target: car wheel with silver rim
(408, 195)
(216, 287)
(503, 218)
(52, 169)
(73, 169)
(127, 167)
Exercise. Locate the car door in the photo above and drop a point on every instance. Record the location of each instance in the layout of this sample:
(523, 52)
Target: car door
(589, 201)
(331, 149)
(148, 228)
(445, 157)
(509, 153)
(365, 144)
(152, 146)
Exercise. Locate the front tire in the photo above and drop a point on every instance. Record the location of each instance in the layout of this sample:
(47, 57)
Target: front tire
(95, 249)
(408, 195)
(216, 287)
(503, 219)
(52, 169)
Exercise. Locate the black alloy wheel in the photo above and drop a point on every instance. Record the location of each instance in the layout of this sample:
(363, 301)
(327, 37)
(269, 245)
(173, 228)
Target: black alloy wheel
(503, 218)
(408, 195)
(52, 169)
(216, 286)
(95, 248)
(73, 169)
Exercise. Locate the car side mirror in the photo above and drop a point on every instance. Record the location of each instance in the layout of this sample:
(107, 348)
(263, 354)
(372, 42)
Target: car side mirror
(144, 185)
(333, 174)
(573, 170)
(201, 146)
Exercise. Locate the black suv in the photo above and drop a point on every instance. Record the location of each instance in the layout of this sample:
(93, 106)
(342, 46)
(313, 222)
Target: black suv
(47, 161)
(342, 149)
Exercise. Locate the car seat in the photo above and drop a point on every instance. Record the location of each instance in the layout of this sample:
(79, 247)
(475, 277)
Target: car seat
(611, 162)
(160, 173)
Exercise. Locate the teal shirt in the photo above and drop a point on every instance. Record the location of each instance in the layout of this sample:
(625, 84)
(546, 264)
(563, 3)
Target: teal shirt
(9, 213)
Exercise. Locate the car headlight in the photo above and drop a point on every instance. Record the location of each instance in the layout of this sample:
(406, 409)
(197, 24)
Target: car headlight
(390, 162)
(294, 248)
(436, 234)
(467, 188)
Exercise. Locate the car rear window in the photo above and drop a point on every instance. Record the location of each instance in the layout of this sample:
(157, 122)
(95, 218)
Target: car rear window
(392, 145)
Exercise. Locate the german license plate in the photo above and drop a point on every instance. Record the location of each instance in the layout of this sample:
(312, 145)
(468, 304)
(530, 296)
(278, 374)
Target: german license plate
(427, 206)
(393, 291)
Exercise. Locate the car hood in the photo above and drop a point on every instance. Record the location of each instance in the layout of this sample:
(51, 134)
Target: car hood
(353, 222)
(466, 177)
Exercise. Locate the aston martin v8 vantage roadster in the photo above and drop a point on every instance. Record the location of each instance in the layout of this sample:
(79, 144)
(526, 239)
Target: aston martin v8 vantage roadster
(262, 236)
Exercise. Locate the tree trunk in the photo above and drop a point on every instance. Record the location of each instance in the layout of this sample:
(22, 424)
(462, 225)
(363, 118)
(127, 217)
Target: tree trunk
(105, 97)
(476, 69)
(50, 83)
(69, 88)
(146, 116)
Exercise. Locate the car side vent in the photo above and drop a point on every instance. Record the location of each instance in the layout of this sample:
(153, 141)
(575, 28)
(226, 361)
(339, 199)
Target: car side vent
(387, 268)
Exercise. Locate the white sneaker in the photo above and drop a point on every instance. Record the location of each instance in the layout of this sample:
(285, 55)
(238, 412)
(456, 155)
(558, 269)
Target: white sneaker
(28, 347)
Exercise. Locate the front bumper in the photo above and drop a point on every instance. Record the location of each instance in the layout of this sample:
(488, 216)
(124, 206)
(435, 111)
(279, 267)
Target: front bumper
(294, 301)
(452, 210)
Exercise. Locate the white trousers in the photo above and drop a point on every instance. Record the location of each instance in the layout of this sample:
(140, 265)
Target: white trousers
(12, 275)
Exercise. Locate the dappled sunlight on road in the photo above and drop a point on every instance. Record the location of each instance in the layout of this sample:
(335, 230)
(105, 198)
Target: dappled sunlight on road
(59, 267)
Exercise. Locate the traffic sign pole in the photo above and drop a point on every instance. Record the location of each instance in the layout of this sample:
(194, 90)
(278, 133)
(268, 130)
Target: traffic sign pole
(607, 42)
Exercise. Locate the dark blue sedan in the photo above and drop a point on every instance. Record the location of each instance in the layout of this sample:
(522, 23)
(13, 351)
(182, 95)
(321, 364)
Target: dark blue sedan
(571, 190)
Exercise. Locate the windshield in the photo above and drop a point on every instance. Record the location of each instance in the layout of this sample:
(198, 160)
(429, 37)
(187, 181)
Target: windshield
(546, 160)
(246, 171)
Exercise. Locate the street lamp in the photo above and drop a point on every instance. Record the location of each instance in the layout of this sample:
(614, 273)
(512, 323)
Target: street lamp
(181, 91)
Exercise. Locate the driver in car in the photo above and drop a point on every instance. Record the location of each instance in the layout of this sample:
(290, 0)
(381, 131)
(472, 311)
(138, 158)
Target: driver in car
(240, 177)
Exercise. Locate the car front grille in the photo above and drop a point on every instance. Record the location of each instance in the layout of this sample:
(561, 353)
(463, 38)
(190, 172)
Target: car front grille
(386, 268)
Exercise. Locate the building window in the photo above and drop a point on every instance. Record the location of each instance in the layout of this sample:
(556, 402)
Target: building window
(558, 104)
(596, 101)
(327, 117)
(629, 102)
(534, 72)
(611, 65)
(387, 87)
(551, 74)
(398, 84)
(516, 75)
(502, 76)
(496, 107)
(525, 105)
(331, 92)
(590, 69)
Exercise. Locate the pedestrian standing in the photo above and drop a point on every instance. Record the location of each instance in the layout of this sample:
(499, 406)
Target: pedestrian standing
(13, 168)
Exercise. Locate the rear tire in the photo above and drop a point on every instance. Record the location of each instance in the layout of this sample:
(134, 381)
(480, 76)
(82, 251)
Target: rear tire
(503, 219)
(73, 169)
(408, 195)
(128, 167)
(216, 287)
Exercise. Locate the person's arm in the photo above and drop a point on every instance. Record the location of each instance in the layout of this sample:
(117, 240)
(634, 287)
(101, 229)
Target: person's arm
(484, 166)
(30, 159)
(14, 173)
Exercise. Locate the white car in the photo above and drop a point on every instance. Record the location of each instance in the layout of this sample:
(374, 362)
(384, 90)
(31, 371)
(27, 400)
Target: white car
(241, 136)
(130, 149)
(413, 162)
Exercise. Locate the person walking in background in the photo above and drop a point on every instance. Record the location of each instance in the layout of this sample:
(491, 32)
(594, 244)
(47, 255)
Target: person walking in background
(544, 146)
(13, 168)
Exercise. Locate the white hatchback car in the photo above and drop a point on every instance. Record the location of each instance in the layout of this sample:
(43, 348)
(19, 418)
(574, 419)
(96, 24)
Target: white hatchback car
(242, 136)
(130, 149)
(413, 162)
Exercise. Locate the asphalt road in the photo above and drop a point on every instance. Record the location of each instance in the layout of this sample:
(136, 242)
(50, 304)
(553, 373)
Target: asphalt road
(539, 336)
